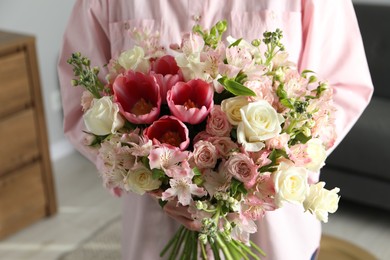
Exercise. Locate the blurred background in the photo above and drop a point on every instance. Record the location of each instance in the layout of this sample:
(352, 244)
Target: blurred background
(46, 21)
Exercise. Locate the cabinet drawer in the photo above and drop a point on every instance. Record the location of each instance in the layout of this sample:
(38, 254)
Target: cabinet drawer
(14, 88)
(18, 139)
(22, 198)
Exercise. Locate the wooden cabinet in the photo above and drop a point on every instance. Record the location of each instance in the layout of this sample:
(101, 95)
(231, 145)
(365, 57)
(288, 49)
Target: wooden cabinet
(26, 184)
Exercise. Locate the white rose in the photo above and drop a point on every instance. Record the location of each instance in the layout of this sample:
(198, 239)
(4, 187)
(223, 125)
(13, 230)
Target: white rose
(290, 184)
(232, 106)
(260, 122)
(140, 180)
(321, 201)
(134, 59)
(103, 117)
(317, 154)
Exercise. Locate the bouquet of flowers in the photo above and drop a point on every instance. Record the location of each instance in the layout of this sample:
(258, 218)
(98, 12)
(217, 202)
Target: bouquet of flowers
(229, 128)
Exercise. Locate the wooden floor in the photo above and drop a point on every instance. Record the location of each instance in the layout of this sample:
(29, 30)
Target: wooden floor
(84, 207)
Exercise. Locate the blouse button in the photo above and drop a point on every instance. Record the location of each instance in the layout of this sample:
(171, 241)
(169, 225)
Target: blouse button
(127, 26)
(197, 17)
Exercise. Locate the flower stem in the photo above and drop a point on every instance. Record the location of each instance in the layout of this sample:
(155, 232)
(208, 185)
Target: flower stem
(257, 248)
(224, 248)
(204, 255)
(177, 244)
(172, 241)
(246, 249)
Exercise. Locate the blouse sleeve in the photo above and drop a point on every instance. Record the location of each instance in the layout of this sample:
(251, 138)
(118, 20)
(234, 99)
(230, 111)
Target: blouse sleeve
(86, 32)
(333, 47)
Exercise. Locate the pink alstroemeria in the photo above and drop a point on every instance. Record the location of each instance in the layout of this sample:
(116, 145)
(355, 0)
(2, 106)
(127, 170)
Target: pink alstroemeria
(138, 97)
(164, 157)
(183, 189)
(168, 130)
(191, 101)
(167, 74)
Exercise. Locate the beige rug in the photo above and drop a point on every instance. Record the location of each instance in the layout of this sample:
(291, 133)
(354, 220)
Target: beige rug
(105, 245)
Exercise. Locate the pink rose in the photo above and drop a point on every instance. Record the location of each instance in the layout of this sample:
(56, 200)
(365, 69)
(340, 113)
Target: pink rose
(241, 167)
(191, 102)
(218, 123)
(224, 145)
(138, 97)
(170, 131)
(205, 155)
(203, 135)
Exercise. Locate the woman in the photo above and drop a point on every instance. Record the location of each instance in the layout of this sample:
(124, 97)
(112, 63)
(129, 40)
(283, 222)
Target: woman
(319, 35)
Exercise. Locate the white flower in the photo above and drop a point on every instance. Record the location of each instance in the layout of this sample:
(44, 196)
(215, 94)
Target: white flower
(140, 180)
(232, 106)
(290, 184)
(103, 117)
(134, 59)
(260, 122)
(321, 201)
(317, 154)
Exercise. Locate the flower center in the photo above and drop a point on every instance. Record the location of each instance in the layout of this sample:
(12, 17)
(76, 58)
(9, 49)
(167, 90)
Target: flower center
(142, 107)
(189, 104)
(172, 138)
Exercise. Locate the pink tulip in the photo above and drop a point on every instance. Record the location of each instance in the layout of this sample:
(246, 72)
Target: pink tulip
(167, 74)
(168, 130)
(191, 101)
(138, 97)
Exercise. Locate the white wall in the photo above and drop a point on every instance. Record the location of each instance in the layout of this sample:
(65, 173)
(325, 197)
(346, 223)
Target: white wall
(46, 20)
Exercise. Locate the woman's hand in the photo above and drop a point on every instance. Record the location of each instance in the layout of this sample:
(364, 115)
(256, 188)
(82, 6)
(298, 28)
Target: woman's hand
(178, 212)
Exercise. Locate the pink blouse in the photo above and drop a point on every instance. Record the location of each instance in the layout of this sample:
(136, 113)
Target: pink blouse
(319, 35)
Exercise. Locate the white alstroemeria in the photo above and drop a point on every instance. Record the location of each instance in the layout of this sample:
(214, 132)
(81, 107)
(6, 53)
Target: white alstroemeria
(317, 154)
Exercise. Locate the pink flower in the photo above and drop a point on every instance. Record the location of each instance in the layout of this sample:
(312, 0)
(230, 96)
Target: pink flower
(191, 102)
(218, 123)
(298, 154)
(170, 131)
(167, 74)
(165, 65)
(261, 197)
(216, 181)
(86, 100)
(183, 188)
(205, 155)
(203, 135)
(263, 89)
(278, 142)
(224, 145)
(241, 167)
(138, 97)
(164, 157)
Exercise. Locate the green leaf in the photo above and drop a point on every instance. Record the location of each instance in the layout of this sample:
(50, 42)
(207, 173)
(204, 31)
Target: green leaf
(237, 187)
(236, 43)
(302, 138)
(162, 202)
(281, 92)
(145, 161)
(157, 174)
(235, 87)
(287, 103)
